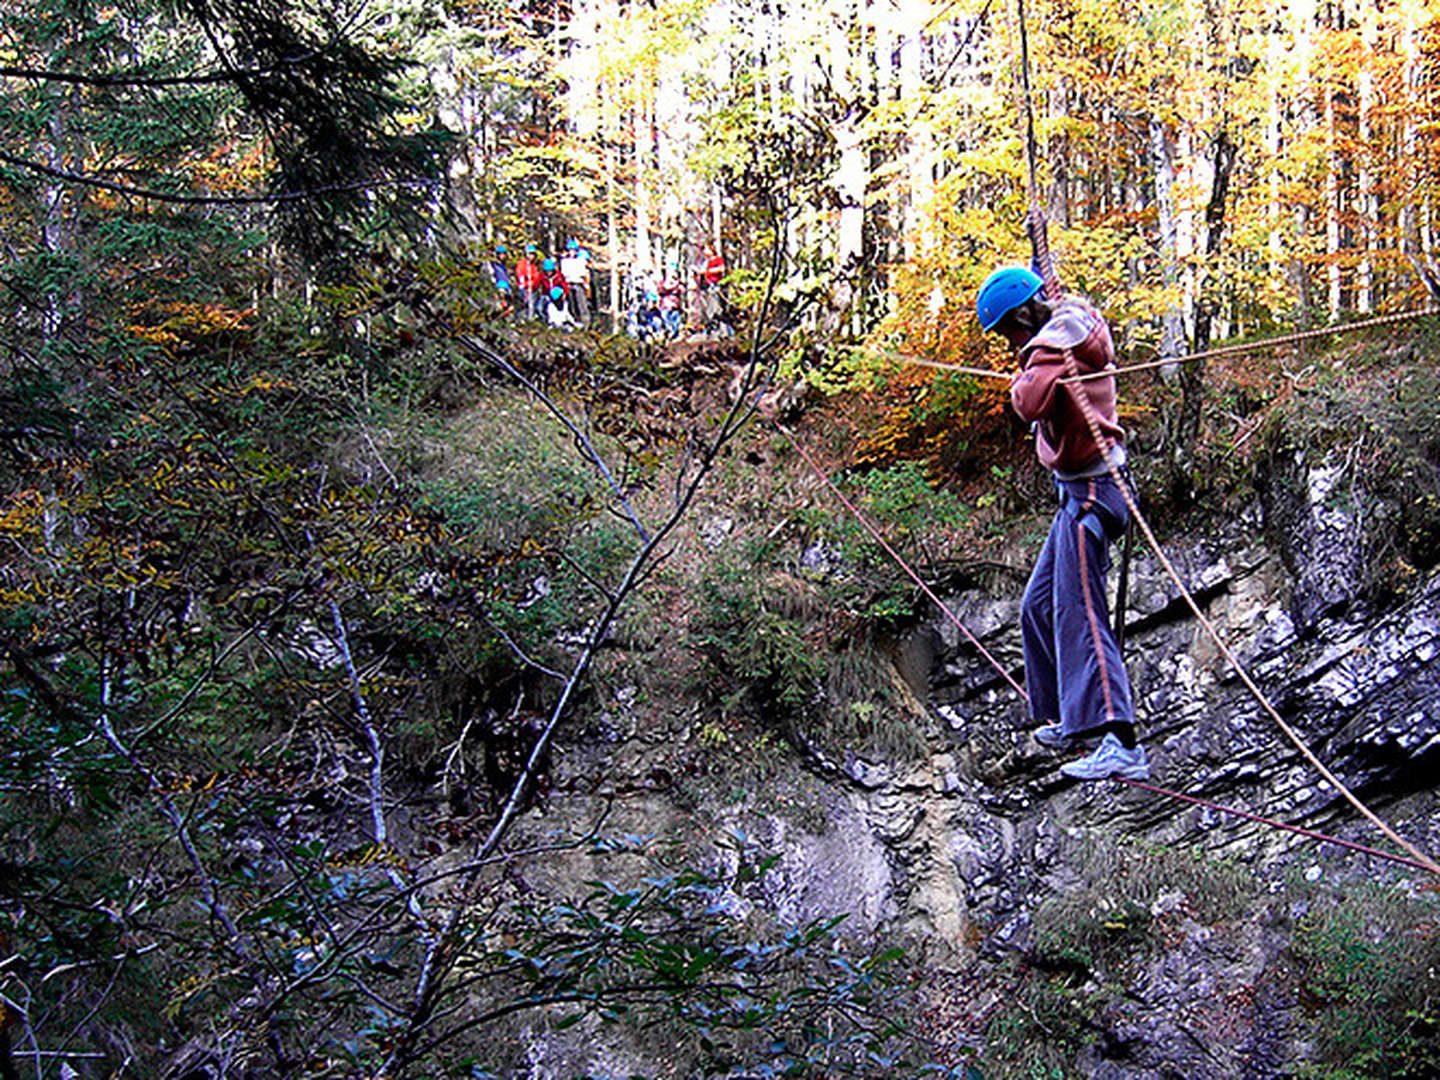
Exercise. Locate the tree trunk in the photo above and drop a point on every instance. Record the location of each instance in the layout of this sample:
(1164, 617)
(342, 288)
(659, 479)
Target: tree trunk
(1192, 374)
(1172, 322)
(1332, 206)
(1369, 200)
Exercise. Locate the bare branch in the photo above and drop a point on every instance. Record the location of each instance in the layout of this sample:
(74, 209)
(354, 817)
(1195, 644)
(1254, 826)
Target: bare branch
(442, 952)
(219, 913)
(520, 653)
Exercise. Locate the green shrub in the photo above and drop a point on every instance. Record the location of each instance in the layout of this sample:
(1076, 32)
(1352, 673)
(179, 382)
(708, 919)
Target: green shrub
(1109, 919)
(1369, 968)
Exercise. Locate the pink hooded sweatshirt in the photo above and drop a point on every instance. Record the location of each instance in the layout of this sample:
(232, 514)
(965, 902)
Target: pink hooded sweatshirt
(1062, 438)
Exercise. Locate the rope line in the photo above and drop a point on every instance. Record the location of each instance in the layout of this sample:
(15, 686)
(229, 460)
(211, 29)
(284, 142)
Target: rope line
(1265, 343)
(873, 531)
(1087, 409)
(1219, 351)
(1272, 822)
(1420, 863)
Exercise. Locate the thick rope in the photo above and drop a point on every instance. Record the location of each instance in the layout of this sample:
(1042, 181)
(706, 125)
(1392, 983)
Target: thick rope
(1420, 862)
(1035, 222)
(1087, 409)
(873, 531)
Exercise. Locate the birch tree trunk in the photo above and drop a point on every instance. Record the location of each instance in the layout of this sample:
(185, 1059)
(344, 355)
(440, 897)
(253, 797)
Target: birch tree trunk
(52, 225)
(916, 227)
(1369, 199)
(1332, 204)
(852, 172)
(643, 262)
(1172, 323)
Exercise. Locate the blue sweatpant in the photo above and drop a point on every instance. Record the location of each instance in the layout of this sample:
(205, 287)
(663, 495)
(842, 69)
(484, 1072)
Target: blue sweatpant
(1073, 670)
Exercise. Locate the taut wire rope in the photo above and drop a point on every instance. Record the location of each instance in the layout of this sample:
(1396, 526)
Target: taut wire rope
(873, 531)
(1273, 823)
(1087, 409)
(1151, 365)
(1419, 862)
(1081, 396)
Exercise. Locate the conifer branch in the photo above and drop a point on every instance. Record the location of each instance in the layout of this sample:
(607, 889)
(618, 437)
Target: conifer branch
(203, 200)
(138, 80)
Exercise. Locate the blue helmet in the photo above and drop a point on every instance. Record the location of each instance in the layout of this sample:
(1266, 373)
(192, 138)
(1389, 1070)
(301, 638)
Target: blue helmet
(1004, 291)
(499, 249)
(548, 265)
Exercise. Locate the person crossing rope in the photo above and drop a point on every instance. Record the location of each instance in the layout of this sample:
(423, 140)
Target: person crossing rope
(1078, 689)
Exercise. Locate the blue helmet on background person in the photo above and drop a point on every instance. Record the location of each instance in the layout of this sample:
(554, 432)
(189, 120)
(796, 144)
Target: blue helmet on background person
(1004, 291)
(548, 265)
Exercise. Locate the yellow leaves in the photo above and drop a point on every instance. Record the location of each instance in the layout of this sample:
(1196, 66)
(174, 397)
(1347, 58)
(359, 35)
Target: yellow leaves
(180, 323)
(265, 381)
(24, 515)
(185, 989)
(184, 783)
(367, 855)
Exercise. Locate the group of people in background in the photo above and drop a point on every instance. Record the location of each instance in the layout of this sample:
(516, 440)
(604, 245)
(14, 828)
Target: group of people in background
(545, 289)
(557, 292)
(657, 303)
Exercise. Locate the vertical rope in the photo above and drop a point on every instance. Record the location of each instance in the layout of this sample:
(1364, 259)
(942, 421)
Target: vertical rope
(1030, 154)
(1087, 409)
(1035, 223)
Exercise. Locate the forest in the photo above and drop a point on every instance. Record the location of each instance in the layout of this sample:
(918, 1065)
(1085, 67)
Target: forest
(395, 684)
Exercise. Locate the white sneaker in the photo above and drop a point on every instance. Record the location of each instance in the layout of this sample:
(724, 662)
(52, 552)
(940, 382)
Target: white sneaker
(1110, 759)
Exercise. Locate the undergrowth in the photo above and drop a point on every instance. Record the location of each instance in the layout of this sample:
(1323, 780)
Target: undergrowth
(798, 625)
(1368, 962)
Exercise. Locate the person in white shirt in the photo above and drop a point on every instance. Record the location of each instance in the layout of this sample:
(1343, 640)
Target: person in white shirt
(575, 266)
(557, 313)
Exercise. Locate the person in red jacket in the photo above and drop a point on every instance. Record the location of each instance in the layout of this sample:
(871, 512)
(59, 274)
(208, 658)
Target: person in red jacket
(1079, 691)
(552, 278)
(528, 281)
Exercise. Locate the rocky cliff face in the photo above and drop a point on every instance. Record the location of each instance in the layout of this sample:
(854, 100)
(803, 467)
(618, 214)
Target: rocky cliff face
(1171, 929)
(987, 833)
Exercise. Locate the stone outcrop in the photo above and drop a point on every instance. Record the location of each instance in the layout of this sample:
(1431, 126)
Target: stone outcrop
(1359, 683)
(972, 852)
